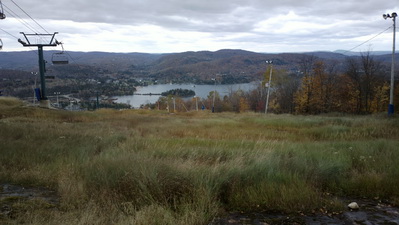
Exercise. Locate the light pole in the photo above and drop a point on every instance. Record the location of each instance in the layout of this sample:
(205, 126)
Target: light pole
(269, 85)
(174, 104)
(34, 87)
(196, 99)
(57, 93)
(214, 96)
(391, 92)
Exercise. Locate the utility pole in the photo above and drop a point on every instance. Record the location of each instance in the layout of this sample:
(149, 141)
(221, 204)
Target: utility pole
(196, 99)
(214, 96)
(57, 94)
(44, 102)
(196, 103)
(174, 104)
(34, 87)
(97, 100)
(391, 91)
(269, 85)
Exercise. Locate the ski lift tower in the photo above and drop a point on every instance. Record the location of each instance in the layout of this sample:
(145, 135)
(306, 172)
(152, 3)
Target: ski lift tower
(41, 40)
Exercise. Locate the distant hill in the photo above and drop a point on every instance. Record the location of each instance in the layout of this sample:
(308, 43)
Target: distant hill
(350, 53)
(232, 65)
(27, 60)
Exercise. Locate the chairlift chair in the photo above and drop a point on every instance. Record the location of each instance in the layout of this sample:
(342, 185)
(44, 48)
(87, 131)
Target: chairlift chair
(59, 58)
(2, 15)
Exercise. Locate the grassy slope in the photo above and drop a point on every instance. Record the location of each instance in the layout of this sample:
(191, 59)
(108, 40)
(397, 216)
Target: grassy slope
(143, 167)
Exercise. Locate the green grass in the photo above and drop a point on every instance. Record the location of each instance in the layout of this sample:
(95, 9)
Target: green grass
(150, 167)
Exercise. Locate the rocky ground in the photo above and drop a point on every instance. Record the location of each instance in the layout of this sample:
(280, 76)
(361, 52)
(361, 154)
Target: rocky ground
(369, 213)
(15, 199)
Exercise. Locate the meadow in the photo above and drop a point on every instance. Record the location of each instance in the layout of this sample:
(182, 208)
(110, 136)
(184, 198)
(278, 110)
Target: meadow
(151, 167)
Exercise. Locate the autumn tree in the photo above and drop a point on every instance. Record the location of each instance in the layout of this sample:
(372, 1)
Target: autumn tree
(243, 106)
(325, 88)
(318, 92)
(285, 86)
(255, 98)
(305, 93)
(364, 83)
(235, 99)
(381, 98)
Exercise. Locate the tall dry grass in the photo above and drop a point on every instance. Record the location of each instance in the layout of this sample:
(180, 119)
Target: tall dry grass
(150, 167)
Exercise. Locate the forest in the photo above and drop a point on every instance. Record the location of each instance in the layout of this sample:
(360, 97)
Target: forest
(179, 92)
(359, 85)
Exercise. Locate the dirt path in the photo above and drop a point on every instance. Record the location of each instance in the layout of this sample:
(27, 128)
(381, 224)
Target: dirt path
(370, 213)
(12, 195)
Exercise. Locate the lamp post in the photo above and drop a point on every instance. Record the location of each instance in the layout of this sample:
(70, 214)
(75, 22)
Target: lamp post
(196, 99)
(34, 87)
(174, 104)
(214, 96)
(268, 85)
(391, 92)
(57, 93)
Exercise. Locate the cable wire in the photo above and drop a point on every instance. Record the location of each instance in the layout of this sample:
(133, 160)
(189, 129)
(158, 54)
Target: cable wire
(9, 33)
(368, 40)
(21, 20)
(25, 23)
(29, 16)
(70, 56)
(14, 37)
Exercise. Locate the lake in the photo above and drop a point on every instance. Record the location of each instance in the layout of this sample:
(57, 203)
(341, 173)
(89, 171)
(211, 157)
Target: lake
(201, 91)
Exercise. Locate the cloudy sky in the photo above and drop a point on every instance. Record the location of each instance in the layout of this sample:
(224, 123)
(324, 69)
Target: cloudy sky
(164, 26)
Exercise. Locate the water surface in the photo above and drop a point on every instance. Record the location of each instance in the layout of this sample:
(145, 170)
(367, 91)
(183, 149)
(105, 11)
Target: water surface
(201, 91)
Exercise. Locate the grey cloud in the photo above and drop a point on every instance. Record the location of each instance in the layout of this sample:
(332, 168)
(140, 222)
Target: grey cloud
(125, 10)
(220, 18)
(211, 14)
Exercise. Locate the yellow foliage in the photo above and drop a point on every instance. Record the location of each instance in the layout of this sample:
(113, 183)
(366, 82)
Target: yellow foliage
(381, 98)
(244, 106)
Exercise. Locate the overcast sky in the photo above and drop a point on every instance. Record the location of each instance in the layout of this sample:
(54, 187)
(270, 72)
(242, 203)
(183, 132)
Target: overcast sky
(164, 26)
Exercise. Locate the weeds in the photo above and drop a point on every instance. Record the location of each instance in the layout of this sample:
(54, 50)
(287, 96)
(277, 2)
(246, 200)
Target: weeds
(149, 167)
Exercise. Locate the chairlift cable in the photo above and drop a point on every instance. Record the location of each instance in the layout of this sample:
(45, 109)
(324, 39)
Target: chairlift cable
(70, 56)
(26, 24)
(21, 20)
(14, 37)
(29, 16)
(9, 33)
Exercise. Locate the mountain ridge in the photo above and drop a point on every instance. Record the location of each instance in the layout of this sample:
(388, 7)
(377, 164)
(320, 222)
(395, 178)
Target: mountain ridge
(192, 66)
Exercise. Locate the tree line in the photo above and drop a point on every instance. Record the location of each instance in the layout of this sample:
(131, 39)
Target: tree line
(360, 85)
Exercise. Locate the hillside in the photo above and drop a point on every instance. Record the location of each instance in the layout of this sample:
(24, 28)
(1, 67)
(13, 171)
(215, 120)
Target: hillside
(152, 167)
(27, 60)
(234, 66)
(114, 74)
